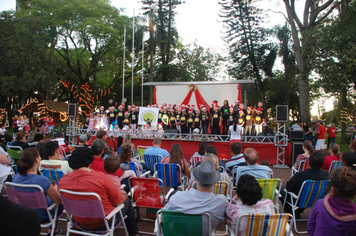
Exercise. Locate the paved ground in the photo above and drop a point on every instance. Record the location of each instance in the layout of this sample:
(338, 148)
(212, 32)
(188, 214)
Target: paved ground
(284, 174)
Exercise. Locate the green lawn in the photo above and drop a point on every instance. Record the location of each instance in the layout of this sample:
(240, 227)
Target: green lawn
(344, 147)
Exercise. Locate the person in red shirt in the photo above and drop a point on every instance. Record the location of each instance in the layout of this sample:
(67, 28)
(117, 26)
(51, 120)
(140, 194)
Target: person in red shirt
(331, 134)
(84, 179)
(335, 156)
(321, 136)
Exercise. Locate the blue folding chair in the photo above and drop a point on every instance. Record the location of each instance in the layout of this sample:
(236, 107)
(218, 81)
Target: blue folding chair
(53, 174)
(151, 160)
(309, 193)
(170, 174)
(334, 165)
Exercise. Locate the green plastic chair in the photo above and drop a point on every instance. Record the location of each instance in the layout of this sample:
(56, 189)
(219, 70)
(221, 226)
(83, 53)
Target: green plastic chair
(14, 152)
(178, 224)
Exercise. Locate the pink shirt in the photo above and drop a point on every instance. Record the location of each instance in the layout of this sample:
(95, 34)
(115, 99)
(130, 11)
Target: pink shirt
(235, 208)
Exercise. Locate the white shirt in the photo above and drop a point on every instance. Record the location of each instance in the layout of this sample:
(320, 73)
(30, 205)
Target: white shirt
(235, 135)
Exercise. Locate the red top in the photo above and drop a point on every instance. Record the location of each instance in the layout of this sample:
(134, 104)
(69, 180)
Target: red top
(98, 165)
(92, 181)
(328, 160)
(331, 132)
(14, 123)
(50, 121)
(321, 130)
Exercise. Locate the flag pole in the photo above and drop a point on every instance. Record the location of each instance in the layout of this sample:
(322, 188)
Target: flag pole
(123, 65)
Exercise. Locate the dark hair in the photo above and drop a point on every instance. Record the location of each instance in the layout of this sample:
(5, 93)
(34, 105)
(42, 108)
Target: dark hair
(248, 190)
(316, 160)
(235, 148)
(202, 146)
(335, 150)
(227, 103)
(20, 135)
(51, 147)
(100, 134)
(119, 141)
(176, 154)
(211, 149)
(111, 164)
(344, 182)
(235, 123)
(27, 160)
(38, 137)
(40, 147)
(309, 146)
(349, 159)
(126, 153)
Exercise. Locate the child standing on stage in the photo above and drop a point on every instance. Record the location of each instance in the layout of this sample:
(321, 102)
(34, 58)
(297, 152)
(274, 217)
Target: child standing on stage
(204, 120)
(215, 121)
(249, 121)
(224, 110)
(183, 121)
(197, 120)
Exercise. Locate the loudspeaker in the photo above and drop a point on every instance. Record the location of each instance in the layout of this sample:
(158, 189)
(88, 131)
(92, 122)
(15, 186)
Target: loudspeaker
(282, 113)
(296, 135)
(171, 131)
(297, 148)
(72, 110)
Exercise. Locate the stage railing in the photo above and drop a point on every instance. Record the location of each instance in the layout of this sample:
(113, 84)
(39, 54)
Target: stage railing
(187, 137)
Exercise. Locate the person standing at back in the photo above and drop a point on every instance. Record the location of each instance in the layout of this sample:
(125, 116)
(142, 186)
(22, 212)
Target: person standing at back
(321, 136)
(331, 131)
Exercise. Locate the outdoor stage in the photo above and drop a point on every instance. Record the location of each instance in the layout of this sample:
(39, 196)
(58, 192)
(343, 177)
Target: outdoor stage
(266, 150)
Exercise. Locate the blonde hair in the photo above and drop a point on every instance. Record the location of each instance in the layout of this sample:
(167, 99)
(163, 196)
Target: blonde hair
(213, 158)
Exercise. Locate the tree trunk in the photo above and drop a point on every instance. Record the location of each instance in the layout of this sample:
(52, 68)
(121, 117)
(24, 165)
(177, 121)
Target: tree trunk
(343, 118)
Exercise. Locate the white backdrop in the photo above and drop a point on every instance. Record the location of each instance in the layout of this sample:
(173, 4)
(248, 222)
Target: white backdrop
(171, 94)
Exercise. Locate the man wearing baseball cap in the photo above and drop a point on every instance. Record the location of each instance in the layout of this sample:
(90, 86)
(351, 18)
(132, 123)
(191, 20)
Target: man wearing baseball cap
(201, 200)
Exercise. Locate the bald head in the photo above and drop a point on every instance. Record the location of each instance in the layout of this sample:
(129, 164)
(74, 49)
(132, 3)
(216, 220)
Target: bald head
(251, 156)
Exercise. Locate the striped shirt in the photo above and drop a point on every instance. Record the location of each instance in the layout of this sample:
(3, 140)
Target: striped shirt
(237, 160)
(257, 171)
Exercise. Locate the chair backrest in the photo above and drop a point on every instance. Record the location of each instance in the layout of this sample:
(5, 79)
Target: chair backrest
(264, 224)
(176, 223)
(303, 165)
(53, 174)
(29, 195)
(311, 191)
(141, 150)
(194, 160)
(269, 187)
(151, 160)
(146, 192)
(14, 152)
(82, 204)
(334, 165)
(169, 173)
(221, 187)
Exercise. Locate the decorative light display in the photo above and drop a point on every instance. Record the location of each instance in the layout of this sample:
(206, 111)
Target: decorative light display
(85, 98)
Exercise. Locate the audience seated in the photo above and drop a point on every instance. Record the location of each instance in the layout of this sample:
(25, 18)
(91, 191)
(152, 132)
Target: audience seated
(336, 214)
(4, 168)
(336, 155)
(211, 149)
(98, 148)
(84, 139)
(349, 160)
(156, 149)
(201, 151)
(314, 172)
(252, 168)
(28, 174)
(237, 158)
(126, 157)
(53, 161)
(248, 199)
(177, 157)
(111, 165)
(201, 200)
(102, 134)
(20, 141)
(84, 179)
(308, 149)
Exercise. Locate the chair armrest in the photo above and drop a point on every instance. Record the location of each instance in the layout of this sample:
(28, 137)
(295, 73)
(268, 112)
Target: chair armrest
(51, 207)
(168, 194)
(145, 174)
(123, 186)
(292, 194)
(115, 211)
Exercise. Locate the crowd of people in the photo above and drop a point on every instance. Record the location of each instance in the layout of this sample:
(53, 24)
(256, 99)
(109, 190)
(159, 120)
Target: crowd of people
(97, 167)
(214, 119)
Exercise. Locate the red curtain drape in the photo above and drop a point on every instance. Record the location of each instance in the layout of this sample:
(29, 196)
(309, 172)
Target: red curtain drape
(239, 96)
(154, 95)
(187, 98)
(201, 100)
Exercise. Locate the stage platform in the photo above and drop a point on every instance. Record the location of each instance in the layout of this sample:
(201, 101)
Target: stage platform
(266, 150)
